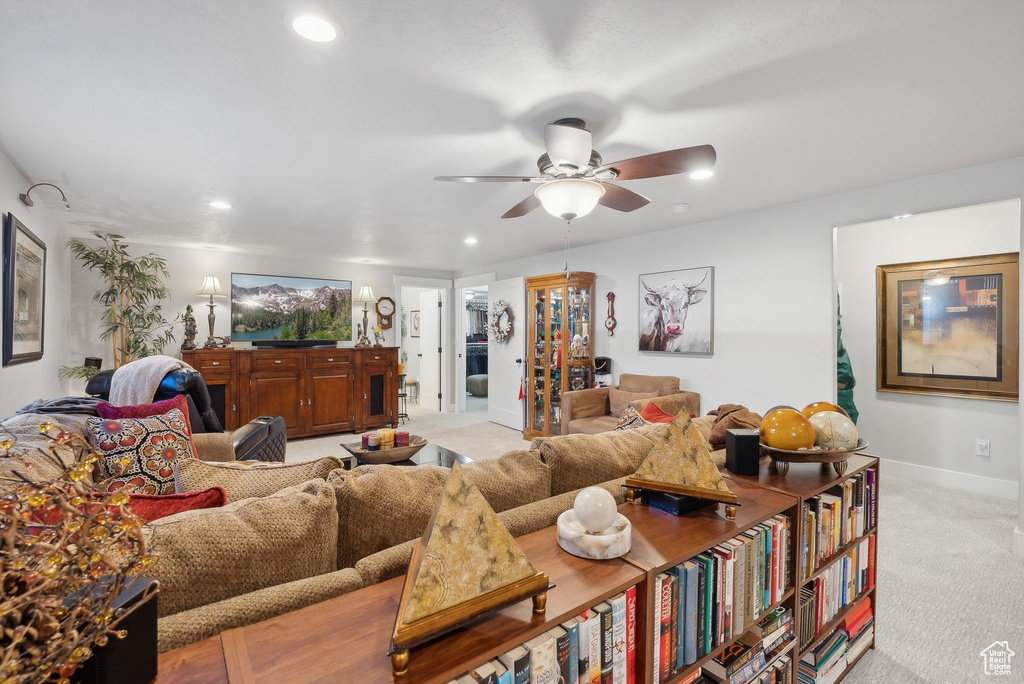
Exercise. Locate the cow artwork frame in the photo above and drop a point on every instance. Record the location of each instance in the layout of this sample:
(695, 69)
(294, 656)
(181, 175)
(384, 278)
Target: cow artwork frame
(696, 331)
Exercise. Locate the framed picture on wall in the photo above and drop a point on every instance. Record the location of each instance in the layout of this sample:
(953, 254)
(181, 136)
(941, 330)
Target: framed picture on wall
(414, 323)
(677, 311)
(949, 327)
(24, 293)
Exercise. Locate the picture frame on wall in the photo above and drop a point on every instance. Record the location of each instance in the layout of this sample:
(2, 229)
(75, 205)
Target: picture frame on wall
(949, 327)
(414, 323)
(24, 307)
(677, 312)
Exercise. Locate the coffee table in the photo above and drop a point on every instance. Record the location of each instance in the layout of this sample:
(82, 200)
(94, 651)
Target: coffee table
(431, 454)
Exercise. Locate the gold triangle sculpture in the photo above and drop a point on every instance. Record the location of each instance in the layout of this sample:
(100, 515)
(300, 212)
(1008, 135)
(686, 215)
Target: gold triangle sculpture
(466, 565)
(682, 465)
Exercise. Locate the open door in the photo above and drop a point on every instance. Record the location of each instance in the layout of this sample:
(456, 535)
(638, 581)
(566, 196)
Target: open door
(430, 350)
(505, 361)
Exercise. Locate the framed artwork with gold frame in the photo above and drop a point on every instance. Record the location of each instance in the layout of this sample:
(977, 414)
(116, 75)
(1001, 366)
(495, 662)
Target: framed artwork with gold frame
(950, 328)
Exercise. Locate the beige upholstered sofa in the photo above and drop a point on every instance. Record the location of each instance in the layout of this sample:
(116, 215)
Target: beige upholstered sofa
(592, 411)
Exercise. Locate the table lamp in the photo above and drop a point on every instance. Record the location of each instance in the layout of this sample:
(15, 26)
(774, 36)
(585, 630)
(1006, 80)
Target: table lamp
(211, 286)
(366, 297)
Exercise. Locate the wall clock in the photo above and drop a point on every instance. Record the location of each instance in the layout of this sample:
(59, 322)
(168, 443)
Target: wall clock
(385, 312)
(610, 322)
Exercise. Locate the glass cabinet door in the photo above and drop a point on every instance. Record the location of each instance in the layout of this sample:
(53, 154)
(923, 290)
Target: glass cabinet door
(578, 324)
(538, 361)
(556, 349)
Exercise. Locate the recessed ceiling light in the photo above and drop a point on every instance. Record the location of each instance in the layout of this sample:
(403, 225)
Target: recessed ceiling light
(702, 174)
(220, 204)
(679, 208)
(470, 241)
(314, 28)
(902, 216)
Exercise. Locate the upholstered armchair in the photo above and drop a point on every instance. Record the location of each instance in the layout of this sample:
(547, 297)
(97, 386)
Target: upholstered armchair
(591, 411)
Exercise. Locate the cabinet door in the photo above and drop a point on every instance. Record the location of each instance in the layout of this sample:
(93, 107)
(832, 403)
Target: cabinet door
(281, 393)
(376, 403)
(329, 399)
(223, 399)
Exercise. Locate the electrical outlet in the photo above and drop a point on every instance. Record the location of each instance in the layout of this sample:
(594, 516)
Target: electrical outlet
(981, 447)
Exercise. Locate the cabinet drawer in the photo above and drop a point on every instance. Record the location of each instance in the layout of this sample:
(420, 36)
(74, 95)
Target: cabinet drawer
(330, 358)
(371, 358)
(278, 361)
(214, 362)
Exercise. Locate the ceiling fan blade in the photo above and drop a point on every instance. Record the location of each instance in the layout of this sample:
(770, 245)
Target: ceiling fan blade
(568, 145)
(683, 160)
(621, 199)
(492, 179)
(523, 208)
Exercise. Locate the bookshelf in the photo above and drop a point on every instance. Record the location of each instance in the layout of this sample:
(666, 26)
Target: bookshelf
(346, 638)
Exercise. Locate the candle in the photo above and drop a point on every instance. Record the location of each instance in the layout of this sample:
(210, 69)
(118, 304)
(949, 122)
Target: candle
(402, 438)
(373, 441)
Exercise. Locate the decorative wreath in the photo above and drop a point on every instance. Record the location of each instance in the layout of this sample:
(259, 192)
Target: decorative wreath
(500, 328)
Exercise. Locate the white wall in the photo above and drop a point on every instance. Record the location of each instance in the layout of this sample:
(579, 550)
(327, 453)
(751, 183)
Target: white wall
(411, 302)
(774, 315)
(187, 268)
(23, 383)
(935, 432)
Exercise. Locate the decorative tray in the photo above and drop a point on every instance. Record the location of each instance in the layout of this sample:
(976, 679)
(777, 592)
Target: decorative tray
(781, 458)
(388, 455)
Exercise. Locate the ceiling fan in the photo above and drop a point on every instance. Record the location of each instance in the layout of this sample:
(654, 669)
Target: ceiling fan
(574, 178)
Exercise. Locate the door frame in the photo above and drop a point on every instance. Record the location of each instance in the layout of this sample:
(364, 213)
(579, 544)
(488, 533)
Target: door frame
(446, 294)
(459, 369)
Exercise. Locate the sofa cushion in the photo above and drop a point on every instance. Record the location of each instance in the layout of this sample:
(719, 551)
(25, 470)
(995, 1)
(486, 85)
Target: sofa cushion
(210, 555)
(592, 426)
(582, 460)
(662, 384)
(619, 399)
(245, 479)
(150, 446)
(32, 447)
(380, 506)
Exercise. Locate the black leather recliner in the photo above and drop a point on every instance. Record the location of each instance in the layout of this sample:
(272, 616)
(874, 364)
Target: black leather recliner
(262, 439)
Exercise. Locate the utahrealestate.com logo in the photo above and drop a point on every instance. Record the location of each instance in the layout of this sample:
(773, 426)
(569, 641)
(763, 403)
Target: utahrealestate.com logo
(997, 658)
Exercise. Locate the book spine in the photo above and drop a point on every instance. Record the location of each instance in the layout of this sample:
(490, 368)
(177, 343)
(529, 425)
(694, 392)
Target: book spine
(505, 678)
(543, 669)
(701, 608)
(690, 616)
(667, 654)
(631, 635)
(729, 629)
(679, 612)
(562, 658)
(521, 670)
(709, 606)
(717, 614)
(674, 643)
(740, 597)
(619, 638)
(574, 651)
(594, 658)
(607, 642)
(656, 664)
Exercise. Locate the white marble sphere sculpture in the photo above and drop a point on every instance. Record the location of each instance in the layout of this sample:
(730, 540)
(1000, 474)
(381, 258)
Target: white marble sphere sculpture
(593, 528)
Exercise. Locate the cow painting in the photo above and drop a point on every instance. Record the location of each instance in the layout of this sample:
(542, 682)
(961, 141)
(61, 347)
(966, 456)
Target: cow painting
(676, 311)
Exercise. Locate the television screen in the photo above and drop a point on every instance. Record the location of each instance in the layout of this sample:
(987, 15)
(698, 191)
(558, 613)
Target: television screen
(284, 308)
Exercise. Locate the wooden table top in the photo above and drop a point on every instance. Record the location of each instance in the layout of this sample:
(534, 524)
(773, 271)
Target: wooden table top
(803, 479)
(661, 539)
(346, 638)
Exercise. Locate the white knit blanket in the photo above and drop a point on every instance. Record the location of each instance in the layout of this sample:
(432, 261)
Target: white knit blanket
(136, 382)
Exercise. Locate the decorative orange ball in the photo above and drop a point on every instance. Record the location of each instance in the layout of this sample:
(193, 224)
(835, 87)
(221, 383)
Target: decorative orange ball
(787, 429)
(819, 406)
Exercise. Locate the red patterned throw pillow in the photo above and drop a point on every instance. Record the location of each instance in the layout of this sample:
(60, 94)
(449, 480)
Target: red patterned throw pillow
(630, 420)
(653, 414)
(147, 447)
(152, 507)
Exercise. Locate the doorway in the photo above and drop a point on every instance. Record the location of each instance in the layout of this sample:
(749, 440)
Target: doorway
(474, 358)
(421, 345)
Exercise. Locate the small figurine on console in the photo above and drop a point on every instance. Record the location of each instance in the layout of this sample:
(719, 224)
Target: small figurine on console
(190, 329)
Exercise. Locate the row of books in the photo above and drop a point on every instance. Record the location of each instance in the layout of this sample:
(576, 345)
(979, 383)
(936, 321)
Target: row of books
(836, 517)
(596, 647)
(759, 654)
(821, 599)
(827, 661)
(717, 595)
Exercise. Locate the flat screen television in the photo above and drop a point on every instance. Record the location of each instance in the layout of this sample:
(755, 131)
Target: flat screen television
(290, 311)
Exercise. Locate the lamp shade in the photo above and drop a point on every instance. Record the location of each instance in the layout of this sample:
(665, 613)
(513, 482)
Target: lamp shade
(211, 286)
(569, 198)
(366, 295)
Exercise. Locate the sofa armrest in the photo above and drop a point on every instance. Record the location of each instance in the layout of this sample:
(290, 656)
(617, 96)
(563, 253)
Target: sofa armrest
(672, 403)
(261, 439)
(181, 629)
(216, 447)
(588, 403)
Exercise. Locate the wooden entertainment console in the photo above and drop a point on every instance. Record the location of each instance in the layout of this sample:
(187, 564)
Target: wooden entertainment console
(317, 391)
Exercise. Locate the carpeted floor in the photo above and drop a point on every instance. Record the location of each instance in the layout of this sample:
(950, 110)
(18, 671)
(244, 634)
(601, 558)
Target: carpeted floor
(948, 582)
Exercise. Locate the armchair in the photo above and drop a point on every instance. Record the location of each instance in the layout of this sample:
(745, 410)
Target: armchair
(589, 411)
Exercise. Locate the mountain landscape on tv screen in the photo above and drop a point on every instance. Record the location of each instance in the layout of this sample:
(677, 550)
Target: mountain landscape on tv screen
(274, 310)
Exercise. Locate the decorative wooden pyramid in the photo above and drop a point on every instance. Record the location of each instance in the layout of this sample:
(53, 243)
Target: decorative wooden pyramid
(682, 465)
(466, 565)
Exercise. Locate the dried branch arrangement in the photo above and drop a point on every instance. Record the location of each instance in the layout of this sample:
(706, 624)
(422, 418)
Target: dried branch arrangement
(68, 548)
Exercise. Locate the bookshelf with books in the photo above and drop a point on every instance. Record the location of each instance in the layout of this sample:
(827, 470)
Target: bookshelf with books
(836, 547)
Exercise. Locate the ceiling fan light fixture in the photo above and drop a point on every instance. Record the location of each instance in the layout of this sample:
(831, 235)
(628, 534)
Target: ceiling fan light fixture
(702, 174)
(569, 198)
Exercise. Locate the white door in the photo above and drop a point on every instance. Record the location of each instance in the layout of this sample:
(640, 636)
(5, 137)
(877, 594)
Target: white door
(505, 360)
(430, 356)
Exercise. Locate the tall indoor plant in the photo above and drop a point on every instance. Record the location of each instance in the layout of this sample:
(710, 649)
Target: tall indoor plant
(132, 294)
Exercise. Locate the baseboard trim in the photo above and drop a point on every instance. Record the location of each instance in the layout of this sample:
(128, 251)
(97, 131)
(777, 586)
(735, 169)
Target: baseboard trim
(1018, 541)
(977, 484)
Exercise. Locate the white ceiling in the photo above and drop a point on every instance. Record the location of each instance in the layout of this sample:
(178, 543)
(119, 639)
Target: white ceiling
(147, 110)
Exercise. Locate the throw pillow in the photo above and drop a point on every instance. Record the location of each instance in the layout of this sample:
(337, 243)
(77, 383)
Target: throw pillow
(619, 400)
(630, 419)
(152, 507)
(157, 408)
(246, 479)
(652, 414)
(148, 447)
(578, 461)
(206, 556)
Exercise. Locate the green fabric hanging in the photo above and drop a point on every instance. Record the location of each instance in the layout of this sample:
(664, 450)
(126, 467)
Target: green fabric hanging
(845, 382)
